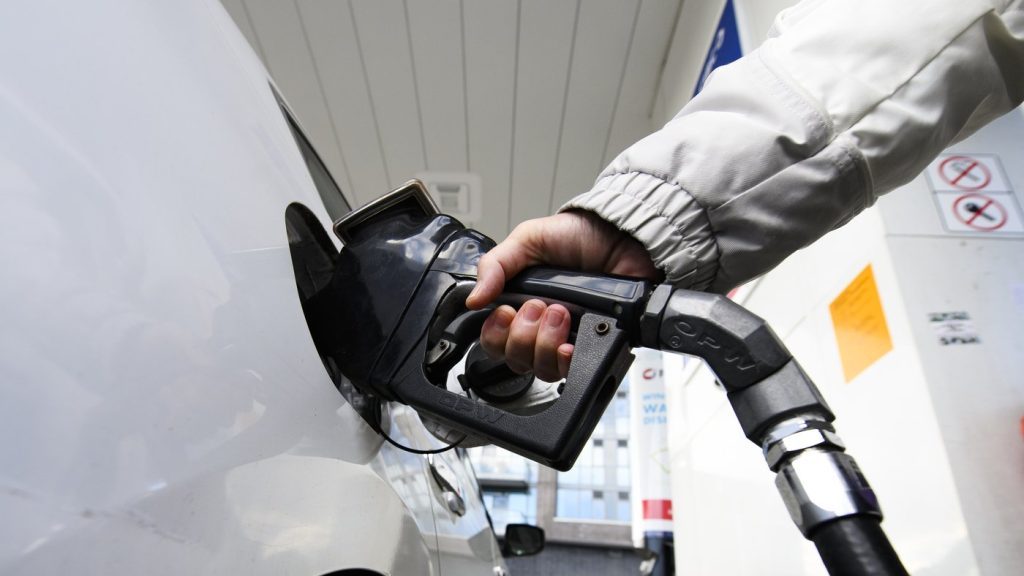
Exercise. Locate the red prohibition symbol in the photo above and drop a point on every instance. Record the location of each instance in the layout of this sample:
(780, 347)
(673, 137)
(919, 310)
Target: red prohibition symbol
(979, 212)
(965, 173)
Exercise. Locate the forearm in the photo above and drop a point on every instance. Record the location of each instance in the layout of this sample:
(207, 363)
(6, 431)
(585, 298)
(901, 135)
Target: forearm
(844, 102)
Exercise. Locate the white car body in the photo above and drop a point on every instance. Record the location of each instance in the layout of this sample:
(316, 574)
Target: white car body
(163, 407)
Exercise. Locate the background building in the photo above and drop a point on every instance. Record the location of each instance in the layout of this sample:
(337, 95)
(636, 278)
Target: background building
(585, 512)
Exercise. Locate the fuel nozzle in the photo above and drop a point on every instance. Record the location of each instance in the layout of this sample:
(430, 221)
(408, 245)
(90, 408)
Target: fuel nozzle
(404, 273)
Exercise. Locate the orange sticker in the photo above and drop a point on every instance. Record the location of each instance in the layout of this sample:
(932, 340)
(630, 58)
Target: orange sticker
(859, 321)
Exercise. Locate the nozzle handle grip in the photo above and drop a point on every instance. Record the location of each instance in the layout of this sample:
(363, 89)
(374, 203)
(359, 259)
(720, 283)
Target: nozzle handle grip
(617, 297)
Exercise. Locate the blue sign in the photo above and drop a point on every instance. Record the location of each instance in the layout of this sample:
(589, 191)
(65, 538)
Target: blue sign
(725, 46)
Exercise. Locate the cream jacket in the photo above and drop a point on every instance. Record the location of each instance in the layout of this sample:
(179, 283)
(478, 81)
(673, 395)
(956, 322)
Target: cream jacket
(844, 102)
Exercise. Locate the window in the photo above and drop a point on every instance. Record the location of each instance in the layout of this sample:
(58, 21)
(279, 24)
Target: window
(622, 477)
(508, 484)
(620, 407)
(622, 508)
(622, 456)
(589, 491)
(507, 507)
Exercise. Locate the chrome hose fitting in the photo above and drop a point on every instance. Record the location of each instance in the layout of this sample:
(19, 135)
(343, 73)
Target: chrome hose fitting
(817, 480)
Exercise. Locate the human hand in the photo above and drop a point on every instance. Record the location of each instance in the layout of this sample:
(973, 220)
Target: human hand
(535, 337)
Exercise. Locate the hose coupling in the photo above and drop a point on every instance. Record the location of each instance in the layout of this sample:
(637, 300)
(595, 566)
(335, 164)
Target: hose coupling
(818, 486)
(791, 437)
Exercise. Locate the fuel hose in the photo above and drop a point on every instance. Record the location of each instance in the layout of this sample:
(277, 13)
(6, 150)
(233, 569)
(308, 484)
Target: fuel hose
(781, 410)
(856, 546)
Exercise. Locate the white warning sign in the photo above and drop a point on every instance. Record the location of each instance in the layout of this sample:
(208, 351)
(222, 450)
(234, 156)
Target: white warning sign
(974, 212)
(974, 196)
(967, 173)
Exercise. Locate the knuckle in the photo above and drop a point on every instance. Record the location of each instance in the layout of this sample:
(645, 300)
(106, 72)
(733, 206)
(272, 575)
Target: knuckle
(490, 261)
(488, 337)
(495, 352)
(517, 367)
(548, 335)
(522, 228)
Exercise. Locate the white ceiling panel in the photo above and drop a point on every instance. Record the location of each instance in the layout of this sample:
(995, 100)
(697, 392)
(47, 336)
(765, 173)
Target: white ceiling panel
(435, 29)
(599, 54)
(383, 36)
(534, 96)
(287, 56)
(546, 31)
(647, 53)
(332, 39)
(491, 33)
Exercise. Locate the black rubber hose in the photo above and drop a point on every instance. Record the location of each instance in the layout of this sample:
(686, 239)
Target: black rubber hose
(856, 546)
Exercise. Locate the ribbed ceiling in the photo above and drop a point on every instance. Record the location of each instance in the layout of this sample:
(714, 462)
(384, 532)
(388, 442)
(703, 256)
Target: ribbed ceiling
(534, 96)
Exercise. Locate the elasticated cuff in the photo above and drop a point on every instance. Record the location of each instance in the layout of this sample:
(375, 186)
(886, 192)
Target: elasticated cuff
(663, 217)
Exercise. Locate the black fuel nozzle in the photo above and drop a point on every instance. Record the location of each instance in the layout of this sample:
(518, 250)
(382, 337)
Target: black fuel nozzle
(405, 271)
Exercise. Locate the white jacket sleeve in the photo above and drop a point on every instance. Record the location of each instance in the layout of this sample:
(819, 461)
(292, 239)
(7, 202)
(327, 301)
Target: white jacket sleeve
(843, 102)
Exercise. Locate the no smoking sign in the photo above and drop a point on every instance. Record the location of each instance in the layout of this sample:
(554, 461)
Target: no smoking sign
(967, 173)
(980, 212)
(974, 196)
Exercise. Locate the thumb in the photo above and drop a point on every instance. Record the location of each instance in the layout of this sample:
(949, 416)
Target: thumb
(490, 280)
(502, 262)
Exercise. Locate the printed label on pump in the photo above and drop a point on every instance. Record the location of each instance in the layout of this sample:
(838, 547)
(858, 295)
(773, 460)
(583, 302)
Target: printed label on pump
(862, 333)
(954, 328)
